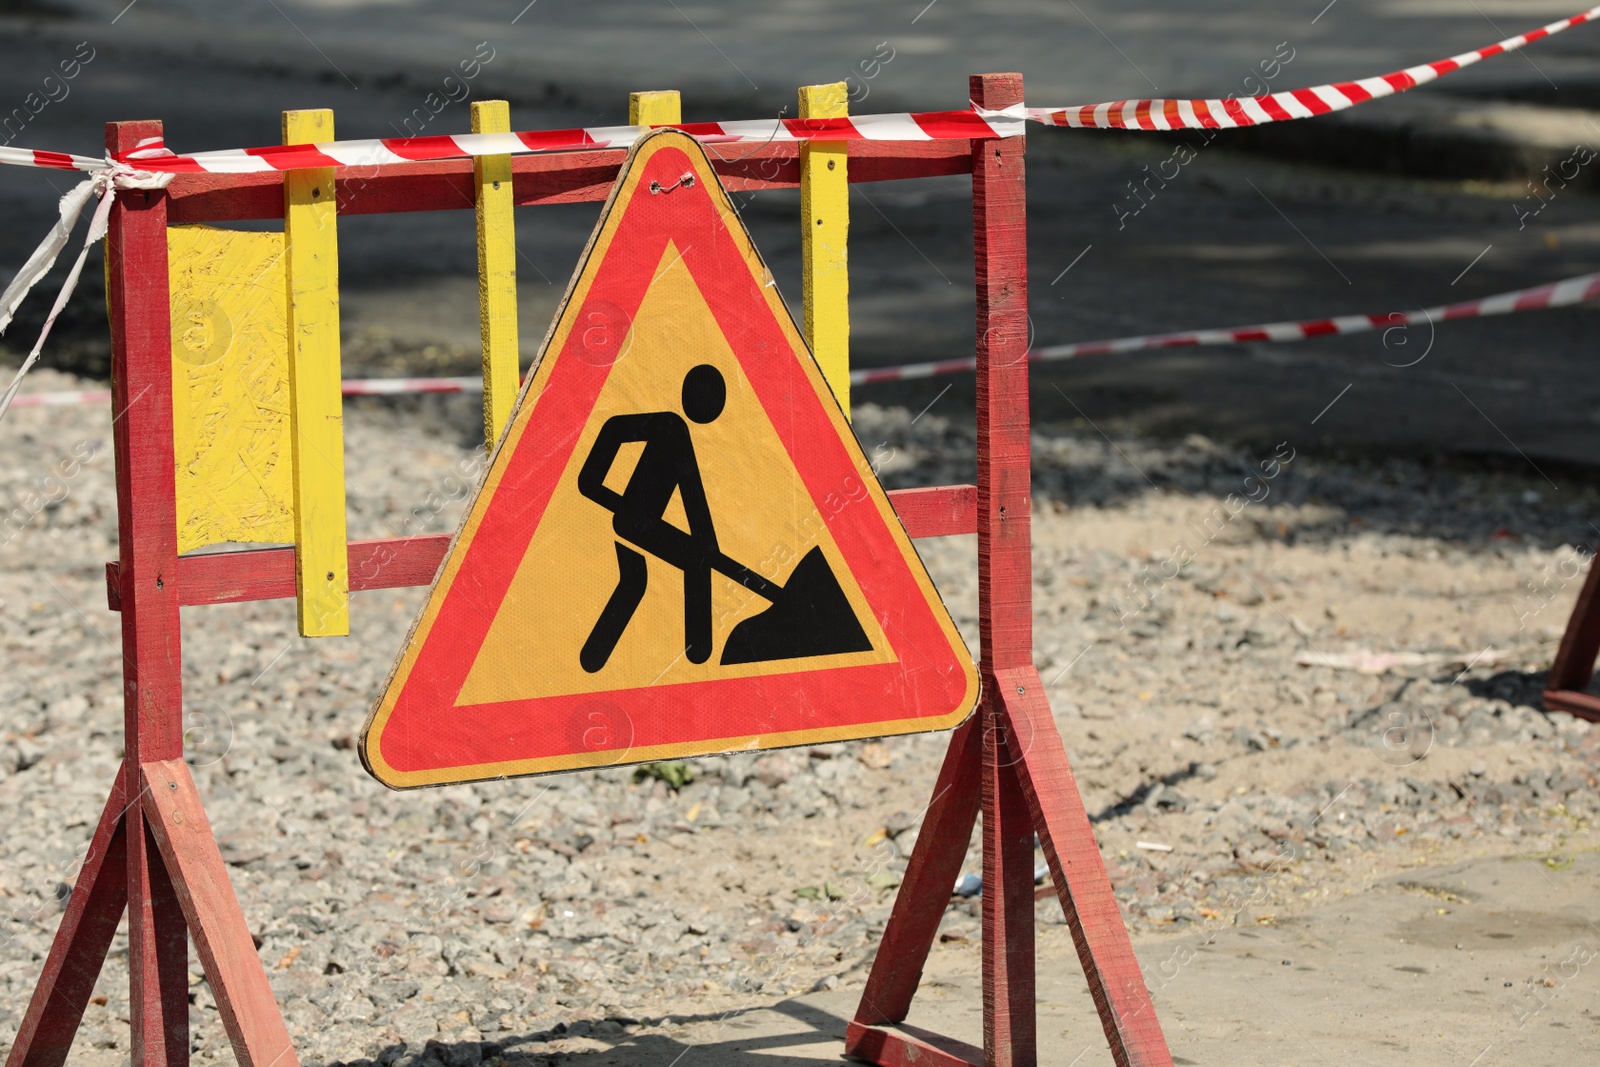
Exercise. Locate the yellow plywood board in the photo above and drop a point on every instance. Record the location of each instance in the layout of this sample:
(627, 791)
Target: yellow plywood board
(322, 579)
(230, 387)
(679, 547)
(825, 233)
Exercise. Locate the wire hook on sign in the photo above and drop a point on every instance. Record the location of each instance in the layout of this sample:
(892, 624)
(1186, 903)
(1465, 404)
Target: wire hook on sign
(685, 182)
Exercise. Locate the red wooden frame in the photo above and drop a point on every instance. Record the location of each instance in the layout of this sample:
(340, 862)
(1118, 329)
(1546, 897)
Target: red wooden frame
(154, 855)
(1008, 759)
(1573, 666)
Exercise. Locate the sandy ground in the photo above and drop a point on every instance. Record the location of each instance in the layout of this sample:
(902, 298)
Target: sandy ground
(549, 917)
(1448, 965)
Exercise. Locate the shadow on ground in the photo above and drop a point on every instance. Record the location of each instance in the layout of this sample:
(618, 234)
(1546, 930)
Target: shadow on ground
(731, 1042)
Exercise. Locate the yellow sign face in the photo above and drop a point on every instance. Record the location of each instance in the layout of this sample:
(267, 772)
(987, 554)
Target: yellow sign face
(679, 548)
(738, 455)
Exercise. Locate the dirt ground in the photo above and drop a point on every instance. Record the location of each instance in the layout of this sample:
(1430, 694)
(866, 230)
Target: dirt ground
(1343, 818)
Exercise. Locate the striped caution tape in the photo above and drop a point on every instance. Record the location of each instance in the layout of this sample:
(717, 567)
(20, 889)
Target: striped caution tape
(1555, 294)
(67, 398)
(1280, 107)
(152, 155)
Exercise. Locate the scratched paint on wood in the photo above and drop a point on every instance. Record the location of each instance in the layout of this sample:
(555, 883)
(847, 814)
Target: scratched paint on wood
(824, 233)
(312, 275)
(230, 387)
(497, 273)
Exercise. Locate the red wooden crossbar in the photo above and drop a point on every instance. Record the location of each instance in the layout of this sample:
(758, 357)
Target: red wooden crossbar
(154, 856)
(268, 573)
(395, 562)
(558, 178)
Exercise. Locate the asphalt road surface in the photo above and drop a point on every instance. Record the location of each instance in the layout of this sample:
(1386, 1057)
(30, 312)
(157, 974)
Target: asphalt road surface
(1235, 238)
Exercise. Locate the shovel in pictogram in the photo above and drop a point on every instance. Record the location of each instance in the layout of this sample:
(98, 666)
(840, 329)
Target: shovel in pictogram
(809, 616)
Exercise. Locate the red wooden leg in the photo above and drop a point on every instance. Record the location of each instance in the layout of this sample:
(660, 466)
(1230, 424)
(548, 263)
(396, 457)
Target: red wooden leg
(222, 939)
(158, 955)
(925, 891)
(80, 946)
(908, 1046)
(1009, 1030)
(1574, 662)
(1112, 970)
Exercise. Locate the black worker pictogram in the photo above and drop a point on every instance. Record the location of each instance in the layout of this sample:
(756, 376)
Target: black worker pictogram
(809, 613)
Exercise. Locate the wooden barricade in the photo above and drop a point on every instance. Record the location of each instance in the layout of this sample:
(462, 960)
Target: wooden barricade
(154, 855)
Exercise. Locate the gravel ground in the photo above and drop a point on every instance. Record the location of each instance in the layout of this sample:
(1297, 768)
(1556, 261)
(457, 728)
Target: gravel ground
(537, 919)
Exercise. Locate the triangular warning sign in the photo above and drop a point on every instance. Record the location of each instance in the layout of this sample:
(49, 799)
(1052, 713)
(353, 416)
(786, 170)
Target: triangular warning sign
(679, 548)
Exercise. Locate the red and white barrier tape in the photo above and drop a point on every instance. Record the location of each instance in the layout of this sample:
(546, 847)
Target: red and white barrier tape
(1556, 294)
(977, 123)
(69, 398)
(156, 164)
(409, 386)
(1280, 107)
(153, 155)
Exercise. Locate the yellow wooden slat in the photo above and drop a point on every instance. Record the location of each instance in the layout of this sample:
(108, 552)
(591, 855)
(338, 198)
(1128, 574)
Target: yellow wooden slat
(661, 107)
(310, 216)
(497, 273)
(825, 226)
(230, 387)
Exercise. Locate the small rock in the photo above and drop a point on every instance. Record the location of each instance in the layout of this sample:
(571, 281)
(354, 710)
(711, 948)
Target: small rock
(28, 752)
(876, 755)
(776, 768)
(899, 823)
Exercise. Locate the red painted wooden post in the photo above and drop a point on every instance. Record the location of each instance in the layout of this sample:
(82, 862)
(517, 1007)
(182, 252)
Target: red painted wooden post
(1574, 663)
(141, 392)
(1011, 746)
(1000, 250)
(79, 949)
(1005, 571)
